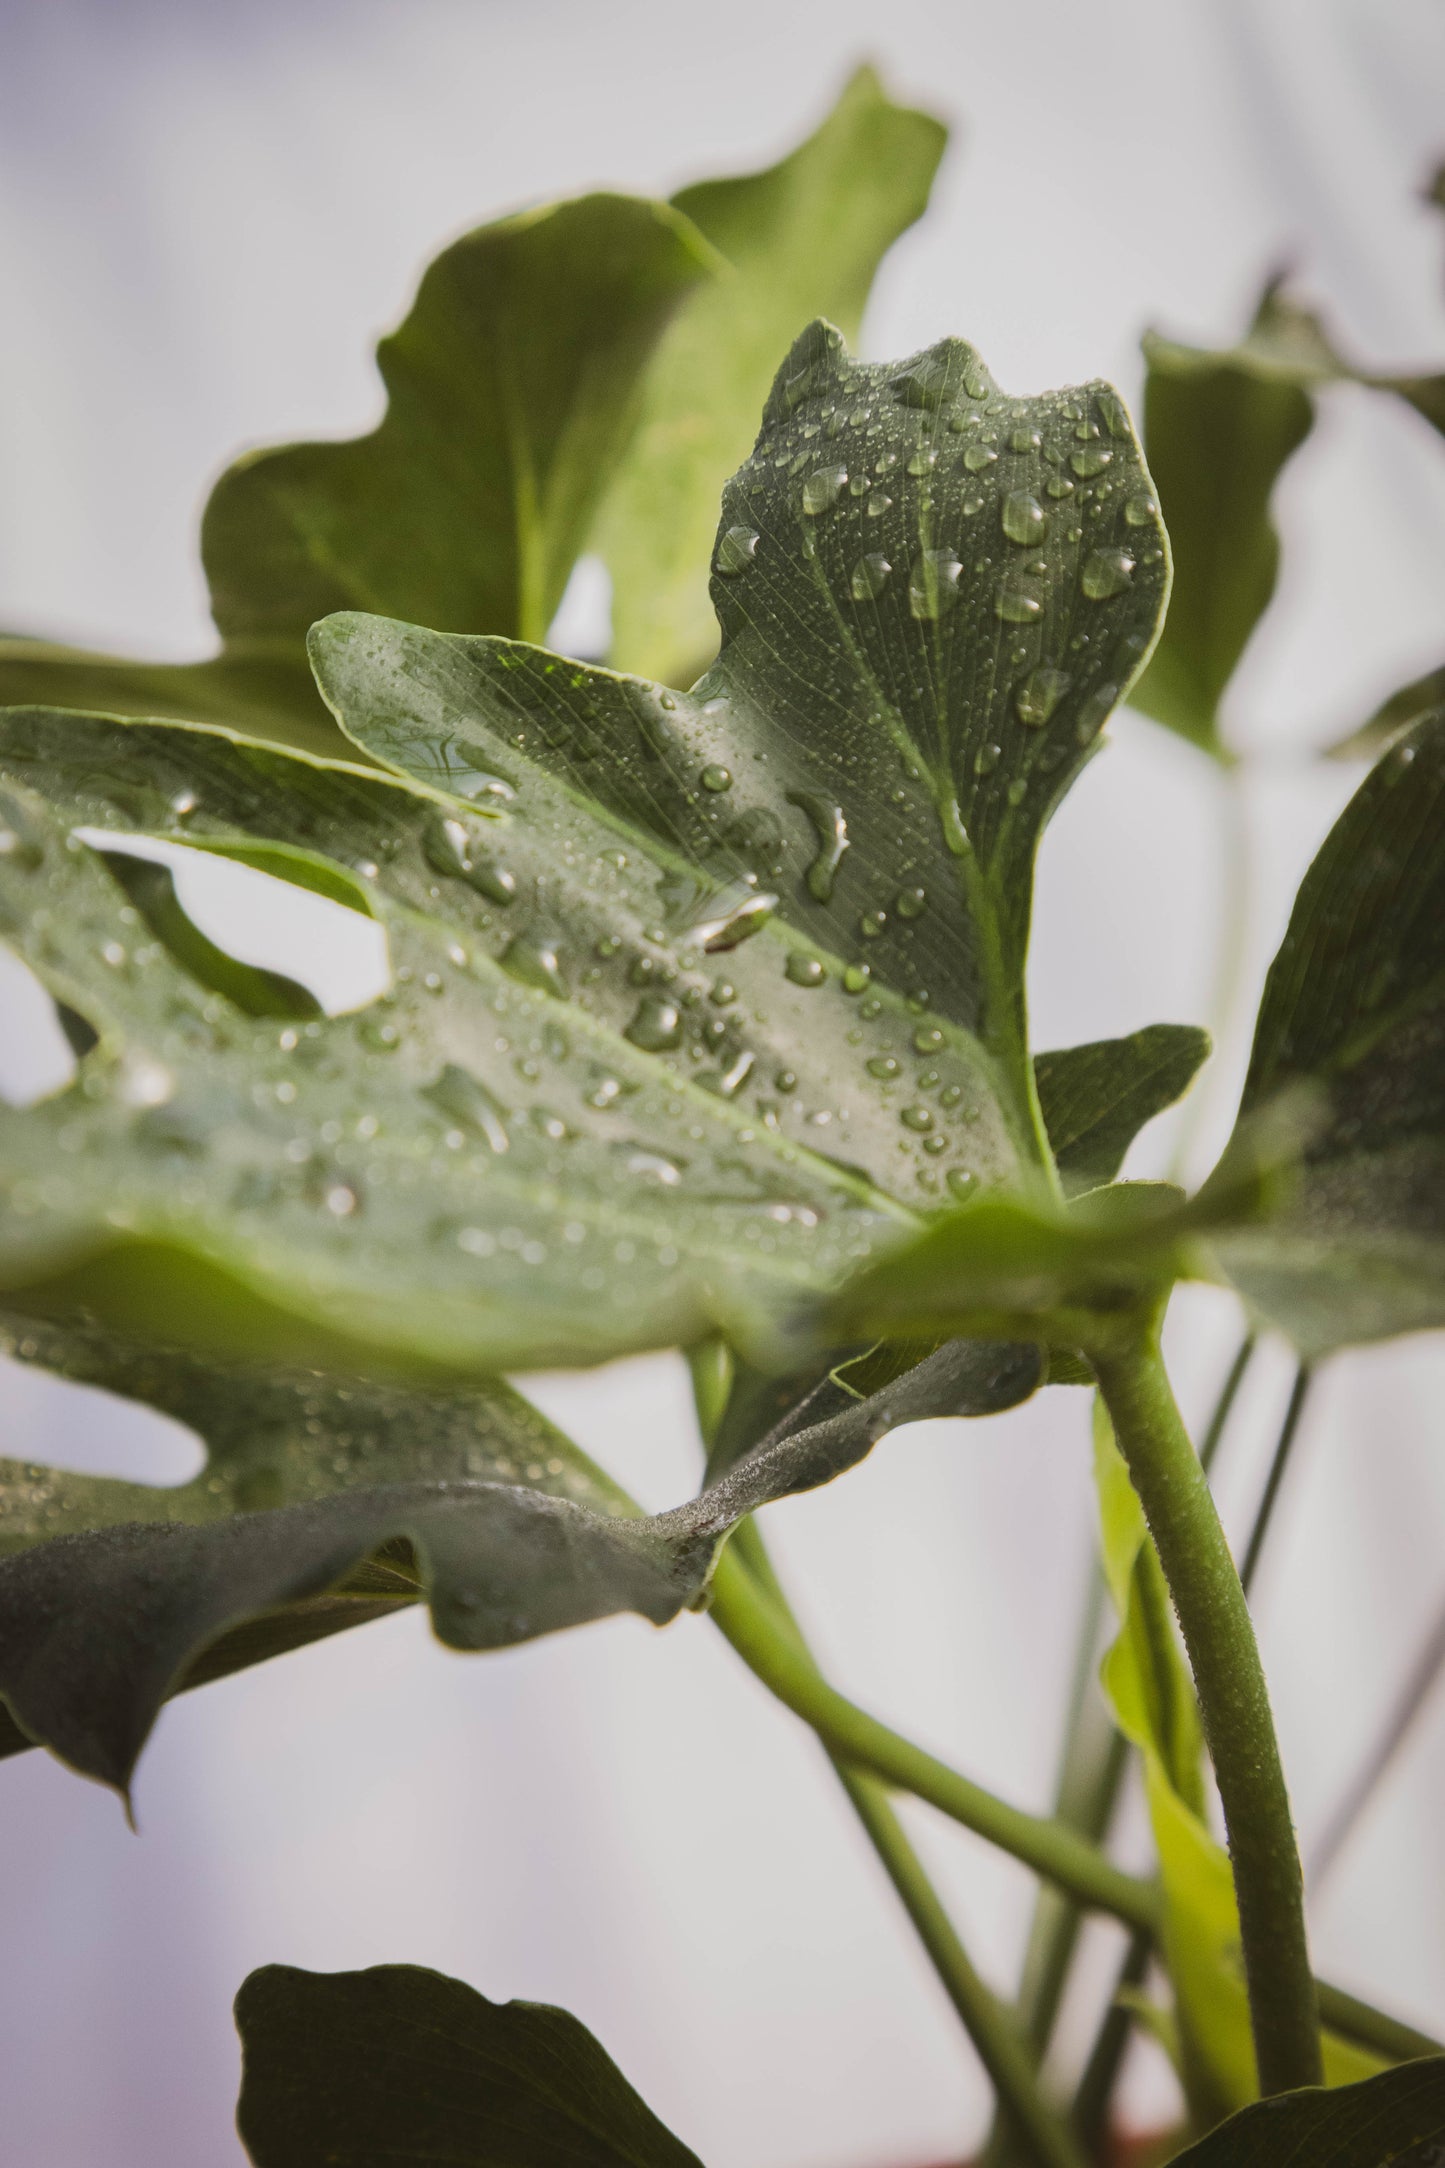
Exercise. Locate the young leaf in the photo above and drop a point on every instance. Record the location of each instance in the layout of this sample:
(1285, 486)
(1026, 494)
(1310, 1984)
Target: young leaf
(1397, 2117)
(802, 239)
(513, 386)
(1351, 1031)
(1096, 1098)
(723, 988)
(400, 2067)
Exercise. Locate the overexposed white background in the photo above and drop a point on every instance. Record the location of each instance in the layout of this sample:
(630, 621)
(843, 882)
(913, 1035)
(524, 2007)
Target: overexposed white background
(206, 216)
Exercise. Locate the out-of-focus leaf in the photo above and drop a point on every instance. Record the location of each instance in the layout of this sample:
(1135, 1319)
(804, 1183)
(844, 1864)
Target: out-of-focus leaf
(513, 386)
(1219, 428)
(1352, 1025)
(700, 1000)
(1410, 705)
(1096, 1098)
(802, 239)
(327, 1500)
(1397, 2117)
(400, 2067)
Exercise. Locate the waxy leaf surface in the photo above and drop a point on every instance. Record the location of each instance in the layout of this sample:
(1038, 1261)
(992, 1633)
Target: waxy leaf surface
(700, 1000)
(400, 2067)
(1350, 1045)
(1396, 2120)
(1096, 1098)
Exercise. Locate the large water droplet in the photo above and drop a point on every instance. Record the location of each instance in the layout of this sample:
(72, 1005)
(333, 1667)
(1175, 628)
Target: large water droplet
(1039, 694)
(1024, 440)
(804, 970)
(736, 548)
(923, 461)
(1024, 518)
(911, 902)
(986, 759)
(457, 844)
(933, 584)
(644, 1166)
(882, 1066)
(878, 504)
(870, 577)
(1091, 460)
(917, 1118)
(831, 829)
(657, 1025)
(1095, 713)
(1018, 603)
(979, 456)
(925, 384)
(822, 489)
(465, 1100)
(534, 959)
(715, 778)
(1141, 510)
(961, 1182)
(1112, 414)
(1105, 573)
(731, 915)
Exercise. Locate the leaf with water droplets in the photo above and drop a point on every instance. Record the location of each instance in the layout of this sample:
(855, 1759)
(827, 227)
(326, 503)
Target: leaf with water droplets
(1347, 1075)
(512, 388)
(407, 2066)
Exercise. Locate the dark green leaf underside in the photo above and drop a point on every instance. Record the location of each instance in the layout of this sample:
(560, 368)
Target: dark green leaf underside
(1398, 2117)
(1096, 1098)
(400, 2067)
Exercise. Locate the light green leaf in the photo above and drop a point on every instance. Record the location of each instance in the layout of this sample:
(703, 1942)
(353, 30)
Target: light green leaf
(1397, 2117)
(402, 2066)
(700, 1000)
(1351, 1032)
(1096, 1098)
(513, 386)
(802, 239)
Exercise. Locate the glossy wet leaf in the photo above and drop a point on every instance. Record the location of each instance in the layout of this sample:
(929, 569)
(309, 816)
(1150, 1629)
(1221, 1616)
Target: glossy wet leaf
(401, 2067)
(327, 1500)
(699, 1000)
(800, 240)
(1349, 1046)
(513, 385)
(1397, 2117)
(1096, 1098)
(1423, 696)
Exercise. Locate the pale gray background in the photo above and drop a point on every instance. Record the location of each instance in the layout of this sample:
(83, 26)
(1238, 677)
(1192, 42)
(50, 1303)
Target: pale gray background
(207, 213)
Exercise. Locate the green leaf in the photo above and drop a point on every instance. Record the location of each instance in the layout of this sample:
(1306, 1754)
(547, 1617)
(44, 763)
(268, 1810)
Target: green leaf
(724, 989)
(802, 239)
(1350, 1036)
(400, 2067)
(513, 386)
(1096, 1098)
(327, 1500)
(1219, 428)
(1396, 2117)
(1423, 696)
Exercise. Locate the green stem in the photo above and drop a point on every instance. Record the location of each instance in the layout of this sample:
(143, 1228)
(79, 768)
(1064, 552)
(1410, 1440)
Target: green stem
(1224, 1406)
(1277, 1467)
(1419, 1685)
(773, 1653)
(1094, 2098)
(1233, 1701)
(992, 2027)
(1370, 2028)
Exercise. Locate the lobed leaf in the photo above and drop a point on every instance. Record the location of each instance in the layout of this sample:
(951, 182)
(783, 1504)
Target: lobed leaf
(1096, 1098)
(1396, 2117)
(401, 2067)
(1350, 1032)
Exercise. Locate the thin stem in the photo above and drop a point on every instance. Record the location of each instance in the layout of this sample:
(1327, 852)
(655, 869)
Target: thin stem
(1370, 2028)
(1095, 2095)
(1233, 1701)
(1420, 1683)
(772, 1652)
(1231, 952)
(1299, 1393)
(1214, 1429)
(993, 2029)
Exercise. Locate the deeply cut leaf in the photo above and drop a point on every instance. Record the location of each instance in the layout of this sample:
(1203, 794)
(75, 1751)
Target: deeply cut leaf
(1096, 1098)
(1396, 2118)
(1352, 1027)
(699, 999)
(326, 1501)
(513, 386)
(802, 239)
(400, 2067)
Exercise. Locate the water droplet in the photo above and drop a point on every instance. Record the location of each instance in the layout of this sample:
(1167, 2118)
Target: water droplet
(383, 1036)
(1039, 694)
(183, 804)
(1105, 573)
(831, 829)
(928, 1039)
(785, 1080)
(986, 759)
(872, 923)
(1141, 510)
(646, 1166)
(882, 1066)
(731, 915)
(728, 1082)
(923, 460)
(456, 844)
(1112, 414)
(1018, 603)
(722, 991)
(715, 778)
(1017, 791)
(1091, 460)
(925, 384)
(878, 503)
(911, 902)
(870, 577)
(1095, 713)
(822, 490)
(657, 1025)
(961, 1182)
(534, 959)
(1059, 485)
(736, 549)
(145, 1083)
(1024, 440)
(933, 584)
(856, 977)
(919, 1118)
(341, 1200)
(979, 456)
(463, 1098)
(1024, 519)
(804, 970)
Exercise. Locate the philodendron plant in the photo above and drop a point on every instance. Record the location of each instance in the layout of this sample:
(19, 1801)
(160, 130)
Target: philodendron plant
(705, 1029)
